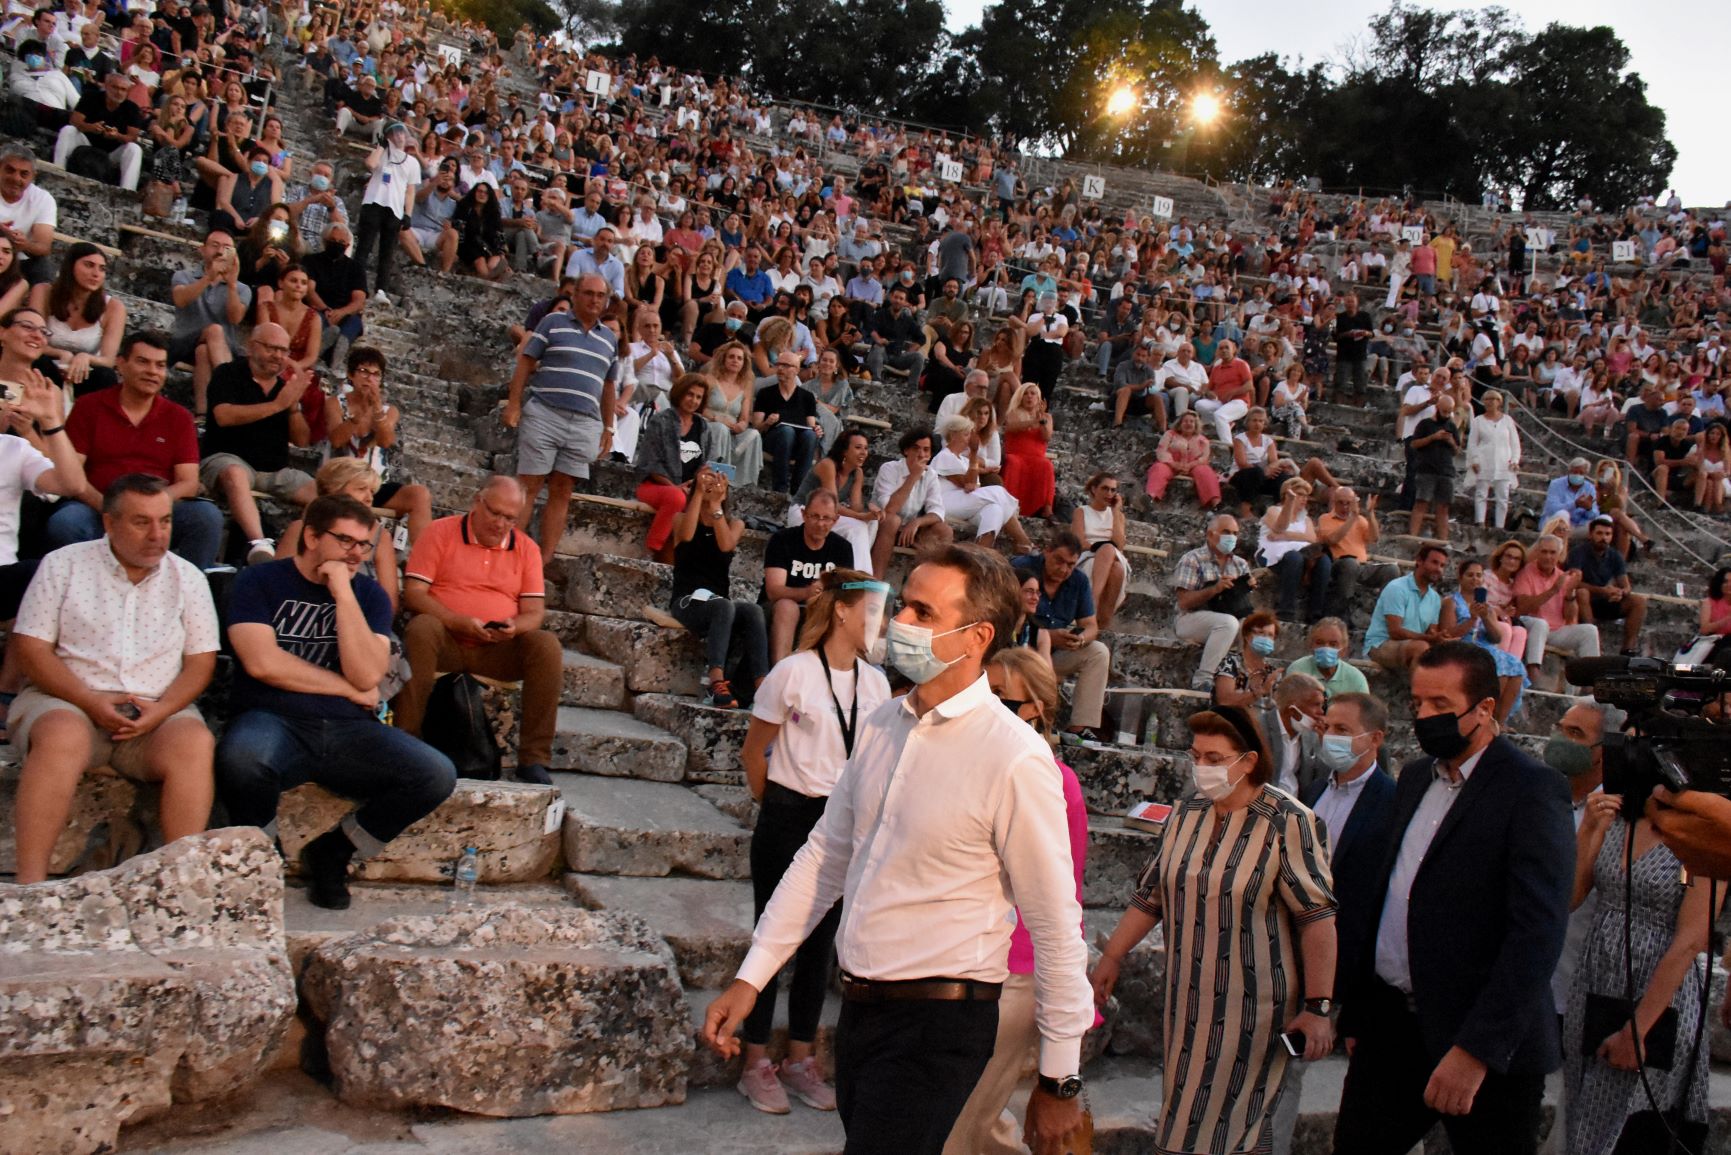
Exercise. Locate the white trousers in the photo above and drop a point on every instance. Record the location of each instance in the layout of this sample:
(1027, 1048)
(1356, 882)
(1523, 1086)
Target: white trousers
(129, 157)
(1578, 641)
(1222, 413)
(988, 507)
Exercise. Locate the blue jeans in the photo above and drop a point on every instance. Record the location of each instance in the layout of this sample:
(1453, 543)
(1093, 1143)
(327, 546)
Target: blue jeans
(1290, 570)
(197, 528)
(792, 447)
(397, 778)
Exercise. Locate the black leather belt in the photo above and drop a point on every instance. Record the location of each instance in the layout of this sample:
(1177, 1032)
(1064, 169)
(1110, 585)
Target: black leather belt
(856, 990)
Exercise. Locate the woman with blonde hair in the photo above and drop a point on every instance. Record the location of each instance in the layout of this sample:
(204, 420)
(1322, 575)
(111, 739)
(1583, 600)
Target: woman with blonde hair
(803, 723)
(774, 335)
(727, 432)
(353, 477)
(1024, 682)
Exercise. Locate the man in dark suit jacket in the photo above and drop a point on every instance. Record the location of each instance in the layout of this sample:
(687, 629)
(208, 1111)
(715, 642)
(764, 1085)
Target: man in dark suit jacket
(1290, 725)
(1447, 1010)
(1355, 800)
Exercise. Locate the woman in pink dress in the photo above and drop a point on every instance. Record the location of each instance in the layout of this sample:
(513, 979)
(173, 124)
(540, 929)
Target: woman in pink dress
(1506, 561)
(1183, 452)
(1027, 471)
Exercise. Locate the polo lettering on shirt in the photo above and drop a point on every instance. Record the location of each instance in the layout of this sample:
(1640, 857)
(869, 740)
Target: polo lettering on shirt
(808, 571)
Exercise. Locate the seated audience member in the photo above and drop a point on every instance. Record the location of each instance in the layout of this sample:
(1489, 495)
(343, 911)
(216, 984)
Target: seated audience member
(475, 586)
(793, 559)
(1180, 379)
(117, 638)
(353, 477)
(1066, 613)
(44, 90)
(785, 415)
(669, 457)
(1211, 587)
(1604, 593)
(312, 641)
(1028, 632)
(1099, 523)
(1326, 661)
(896, 339)
(705, 539)
(1246, 677)
(988, 508)
(28, 213)
(133, 428)
(1133, 381)
(429, 230)
(1571, 502)
(1288, 545)
(339, 289)
(255, 415)
(316, 205)
(106, 118)
(208, 309)
(85, 322)
(1469, 615)
(1646, 422)
(1184, 451)
(359, 422)
(1407, 619)
(911, 495)
(1347, 535)
(1545, 599)
(861, 522)
(1291, 724)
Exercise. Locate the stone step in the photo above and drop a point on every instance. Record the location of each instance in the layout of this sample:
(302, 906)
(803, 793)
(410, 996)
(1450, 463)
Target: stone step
(707, 922)
(712, 736)
(656, 659)
(613, 743)
(1117, 856)
(593, 682)
(648, 829)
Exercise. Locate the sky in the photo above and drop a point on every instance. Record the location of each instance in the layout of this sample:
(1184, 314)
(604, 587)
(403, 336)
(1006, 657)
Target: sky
(1677, 46)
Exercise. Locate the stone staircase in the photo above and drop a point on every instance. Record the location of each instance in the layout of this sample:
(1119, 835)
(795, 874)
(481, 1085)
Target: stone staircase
(649, 816)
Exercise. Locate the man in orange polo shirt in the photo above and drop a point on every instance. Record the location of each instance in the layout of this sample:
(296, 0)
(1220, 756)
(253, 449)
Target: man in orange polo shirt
(1347, 533)
(476, 590)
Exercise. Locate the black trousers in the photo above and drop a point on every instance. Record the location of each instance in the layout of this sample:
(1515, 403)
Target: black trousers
(783, 825)
(1382, 1110)
(904, 1071)
(378, 225)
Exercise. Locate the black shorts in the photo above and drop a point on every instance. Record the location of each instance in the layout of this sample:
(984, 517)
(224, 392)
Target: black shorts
(386, 491)
(1606, 610)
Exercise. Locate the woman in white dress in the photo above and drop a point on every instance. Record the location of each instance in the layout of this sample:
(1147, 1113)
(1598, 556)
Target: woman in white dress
(652, 365)
(1100, 524)
(727, 432)
(1493, 459)
(991, 508)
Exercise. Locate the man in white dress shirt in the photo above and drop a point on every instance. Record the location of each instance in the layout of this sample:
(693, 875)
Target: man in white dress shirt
(947, 798)
(912, 498)
(118, 636)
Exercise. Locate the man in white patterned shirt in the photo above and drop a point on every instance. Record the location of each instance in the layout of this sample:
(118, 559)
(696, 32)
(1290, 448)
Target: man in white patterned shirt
(948, 817)
(118, 636)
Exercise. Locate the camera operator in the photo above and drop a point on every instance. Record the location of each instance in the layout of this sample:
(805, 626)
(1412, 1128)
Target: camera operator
(1696, 826)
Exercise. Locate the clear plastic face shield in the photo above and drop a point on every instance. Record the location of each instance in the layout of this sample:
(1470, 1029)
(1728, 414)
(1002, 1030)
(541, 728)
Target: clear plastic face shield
(871, 608)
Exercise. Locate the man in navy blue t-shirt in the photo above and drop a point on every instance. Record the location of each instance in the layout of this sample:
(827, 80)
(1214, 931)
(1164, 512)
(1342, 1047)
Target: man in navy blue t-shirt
(313, 638)
(1066, 611)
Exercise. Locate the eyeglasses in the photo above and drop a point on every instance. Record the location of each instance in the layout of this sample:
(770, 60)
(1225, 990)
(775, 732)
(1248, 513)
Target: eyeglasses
(349, 544)
(31, 327)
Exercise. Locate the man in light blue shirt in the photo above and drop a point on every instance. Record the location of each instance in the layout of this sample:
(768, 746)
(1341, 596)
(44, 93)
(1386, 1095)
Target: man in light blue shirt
(1405, 622)
(1574, 495)
(601, 261)
(587, 221)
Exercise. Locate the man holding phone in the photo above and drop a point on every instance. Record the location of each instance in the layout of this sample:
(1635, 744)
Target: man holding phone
(478, 595)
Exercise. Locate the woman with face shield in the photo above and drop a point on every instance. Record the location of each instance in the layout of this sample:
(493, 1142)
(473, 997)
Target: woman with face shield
(803, 723)
(1240, 877)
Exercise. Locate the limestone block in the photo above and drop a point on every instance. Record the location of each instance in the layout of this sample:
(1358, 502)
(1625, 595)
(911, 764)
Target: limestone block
(656, 659)
(162, 980)
(592, 682)
(623, 826)
(1116, 857)
(1137, 1005)
(706, 922)
(505, 1011)
(1116, 777)
(614, 743)
(712, 736)
(513, 826)
(104, 814)
(615, 586)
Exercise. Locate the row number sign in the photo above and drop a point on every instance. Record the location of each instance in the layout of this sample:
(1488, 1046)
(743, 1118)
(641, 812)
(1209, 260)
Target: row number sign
(1163, 208)
(950, 170)
(451, 54)
(1622, 250)
(1094, 187)
(1413, 233)
(597, 83)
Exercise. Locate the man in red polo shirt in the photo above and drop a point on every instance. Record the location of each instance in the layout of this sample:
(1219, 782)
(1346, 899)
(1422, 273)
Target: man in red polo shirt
(476, 590)
(132, 428)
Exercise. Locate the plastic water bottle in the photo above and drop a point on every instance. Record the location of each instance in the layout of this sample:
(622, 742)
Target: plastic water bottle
(464, 876)
(177, 212)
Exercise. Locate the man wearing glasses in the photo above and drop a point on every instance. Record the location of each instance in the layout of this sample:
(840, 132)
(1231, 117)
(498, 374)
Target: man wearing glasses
(476, 589)
(255, 415)
(312, 635)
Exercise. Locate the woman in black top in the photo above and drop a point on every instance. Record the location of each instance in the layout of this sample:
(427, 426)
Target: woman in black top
(669, 454)
(705, 539)
(480, 237)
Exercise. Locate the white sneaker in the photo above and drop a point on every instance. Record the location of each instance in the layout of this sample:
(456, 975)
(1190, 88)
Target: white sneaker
(263, 550)
(1097, 407)
(382, 297)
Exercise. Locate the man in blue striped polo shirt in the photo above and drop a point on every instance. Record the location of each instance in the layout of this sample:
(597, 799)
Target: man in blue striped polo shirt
(570, 366)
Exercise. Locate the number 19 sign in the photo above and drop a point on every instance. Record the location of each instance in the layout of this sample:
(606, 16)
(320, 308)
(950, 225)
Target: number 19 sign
(1163, 208)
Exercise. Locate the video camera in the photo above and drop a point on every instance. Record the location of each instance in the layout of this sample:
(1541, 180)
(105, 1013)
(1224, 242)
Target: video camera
(1672, 744)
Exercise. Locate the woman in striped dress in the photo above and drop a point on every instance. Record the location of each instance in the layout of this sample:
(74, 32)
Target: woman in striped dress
(1241, 882)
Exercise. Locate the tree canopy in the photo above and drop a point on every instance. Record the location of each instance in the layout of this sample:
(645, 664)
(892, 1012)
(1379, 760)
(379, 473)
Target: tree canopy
(1442, 102)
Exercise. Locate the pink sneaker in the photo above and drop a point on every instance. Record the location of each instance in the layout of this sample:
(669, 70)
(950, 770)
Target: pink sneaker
(805, 1080)
(762, 1089)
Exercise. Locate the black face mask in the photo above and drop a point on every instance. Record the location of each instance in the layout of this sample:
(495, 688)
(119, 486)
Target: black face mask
(1440, 736)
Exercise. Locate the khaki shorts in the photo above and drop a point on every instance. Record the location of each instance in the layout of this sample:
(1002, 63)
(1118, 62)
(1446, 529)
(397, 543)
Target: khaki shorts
(129, 758)
(281, 483)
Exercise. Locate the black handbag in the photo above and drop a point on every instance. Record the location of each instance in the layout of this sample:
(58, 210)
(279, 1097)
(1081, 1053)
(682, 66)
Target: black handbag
(1668, 1132)
(457, 726)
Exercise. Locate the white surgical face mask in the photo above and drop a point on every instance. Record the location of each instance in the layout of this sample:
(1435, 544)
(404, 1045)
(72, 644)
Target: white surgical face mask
(1215, 781)
(909, 649)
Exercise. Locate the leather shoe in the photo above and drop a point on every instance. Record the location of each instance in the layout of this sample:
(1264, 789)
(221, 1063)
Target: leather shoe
(534, 773)
(325, 866)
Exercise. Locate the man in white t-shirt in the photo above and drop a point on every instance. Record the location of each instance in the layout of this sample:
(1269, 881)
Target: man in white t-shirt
(33, 463)
(1180, 378)
(28, 214)
(387, 203)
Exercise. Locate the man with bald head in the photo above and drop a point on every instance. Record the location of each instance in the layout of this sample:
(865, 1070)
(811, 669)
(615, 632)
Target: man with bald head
(255, 415)
(475, 588)
(561, 402)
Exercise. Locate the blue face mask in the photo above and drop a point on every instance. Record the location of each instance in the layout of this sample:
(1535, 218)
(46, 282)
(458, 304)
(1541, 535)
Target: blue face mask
(320, 182)
(35, 63)
(1262, 644)
(1336, 752)
(1228, 542)
(1325, 657)
(734, 323)
(909, 649)
(259, 168)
